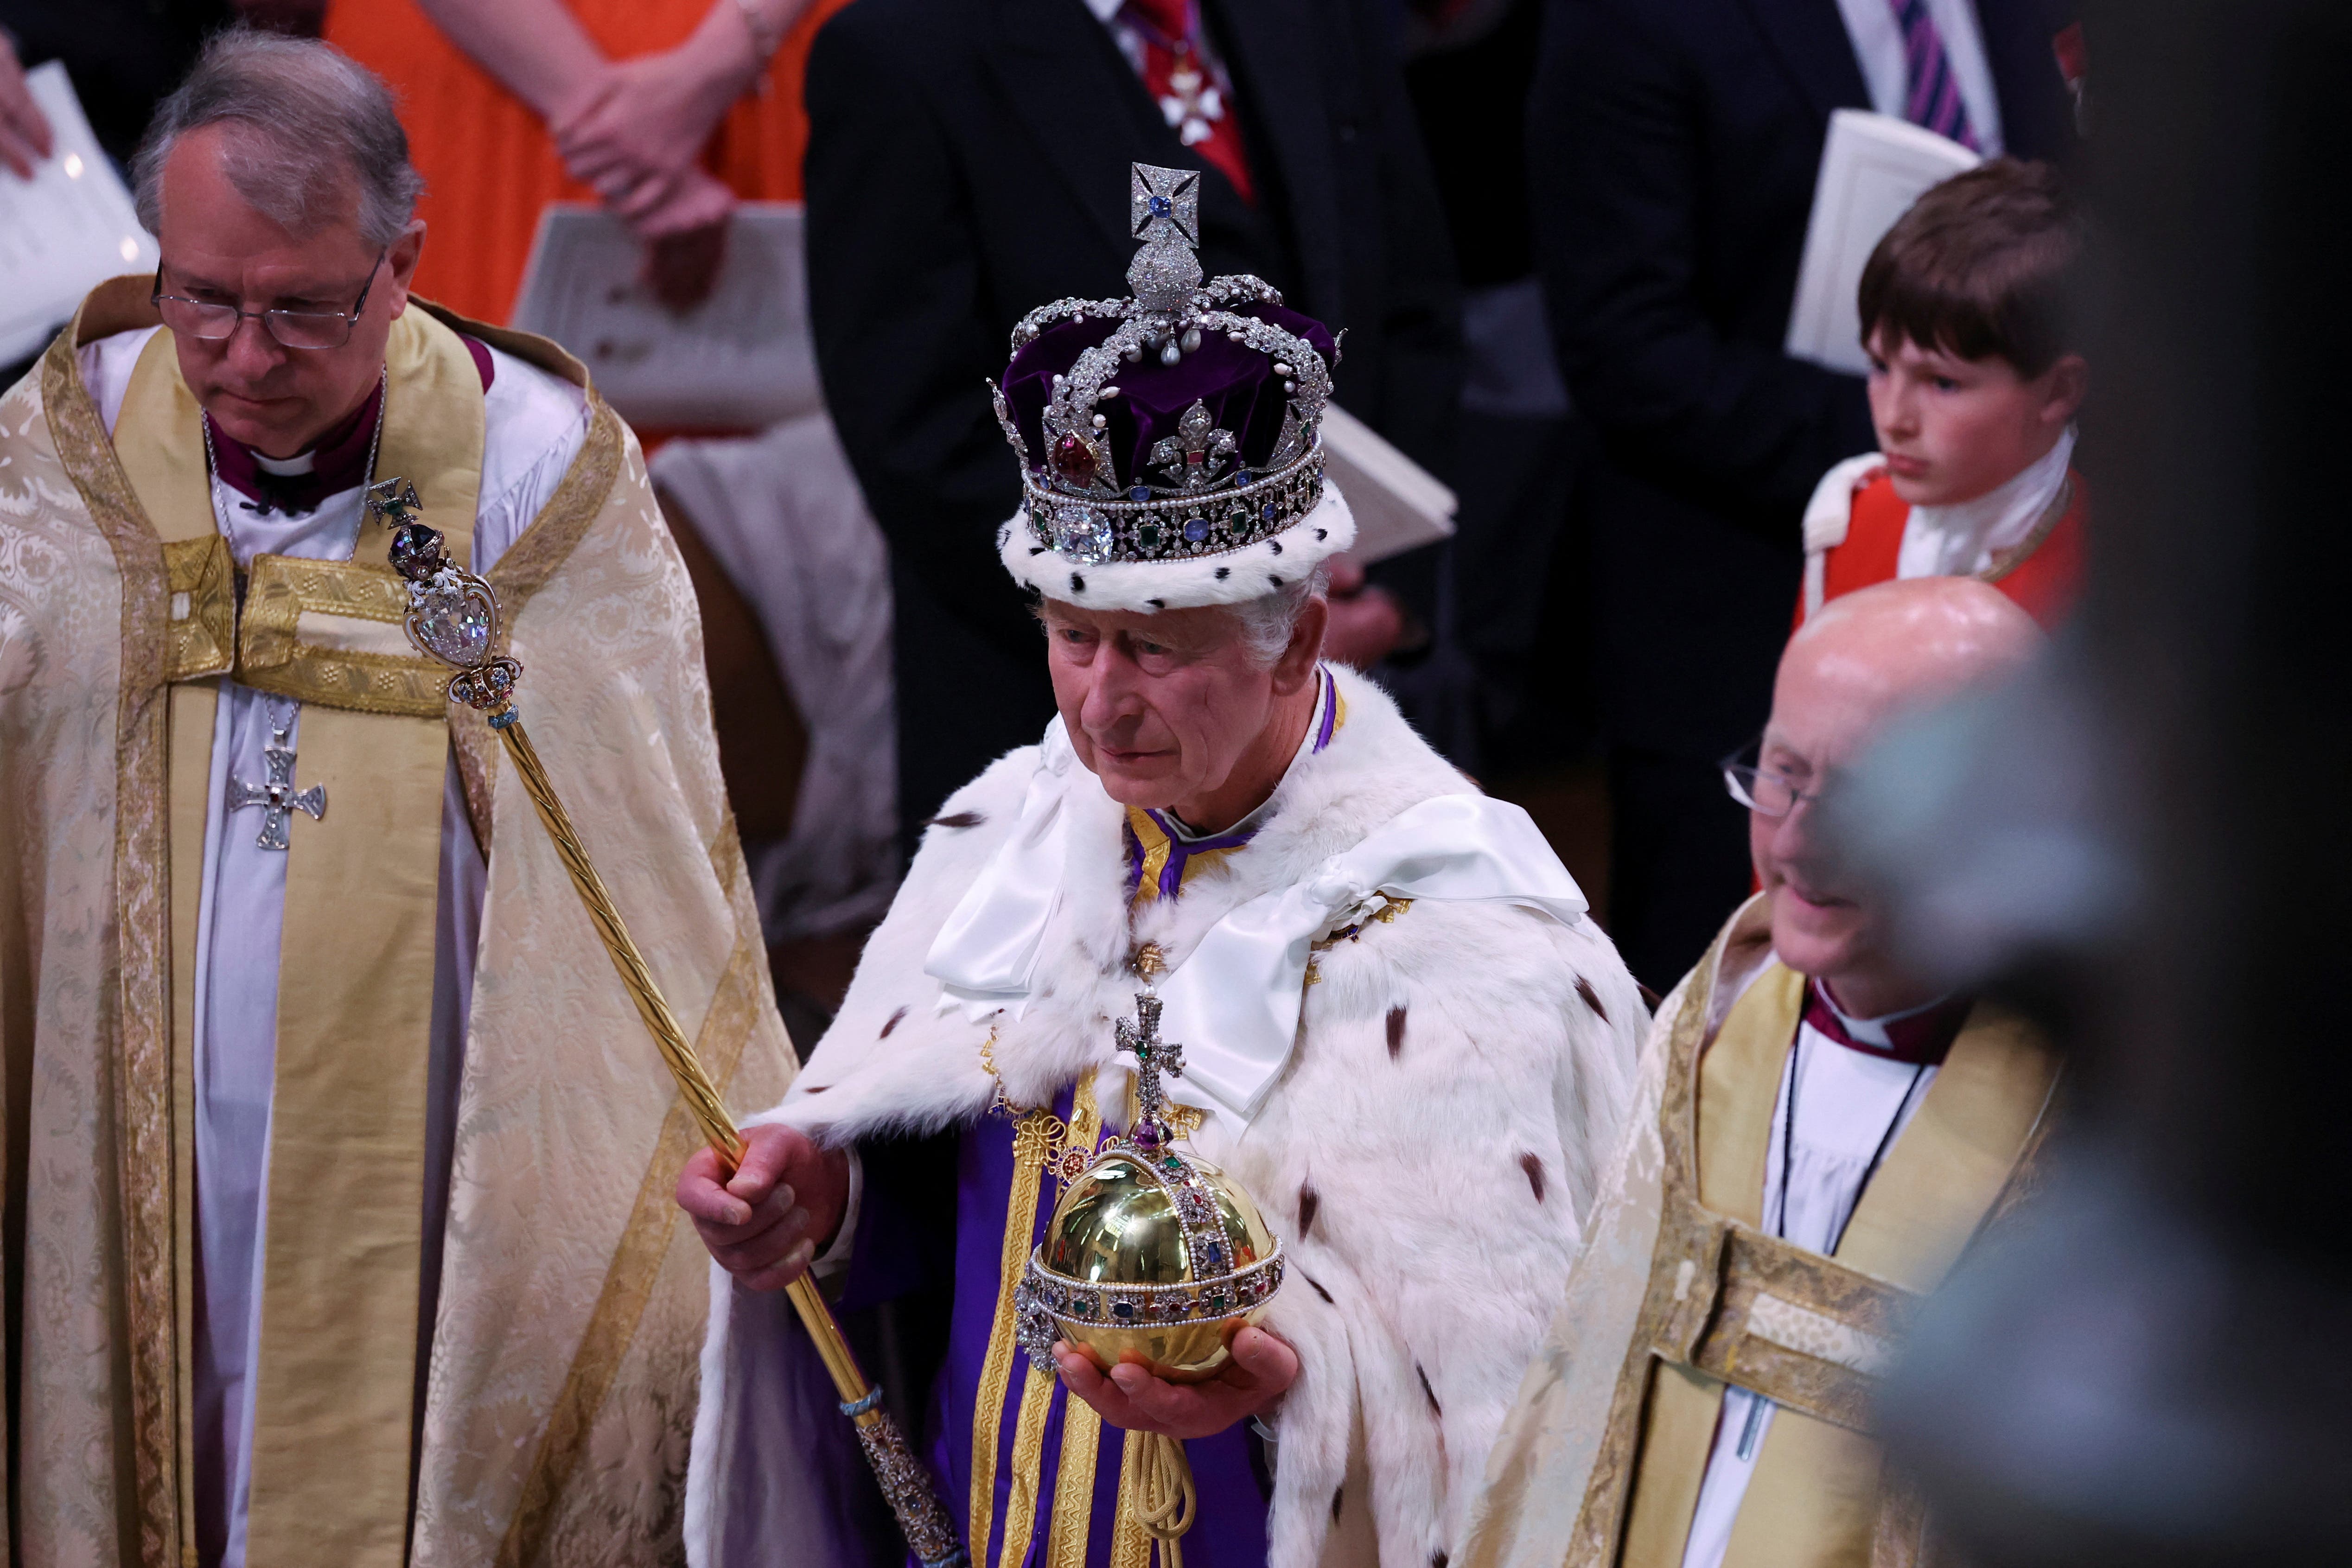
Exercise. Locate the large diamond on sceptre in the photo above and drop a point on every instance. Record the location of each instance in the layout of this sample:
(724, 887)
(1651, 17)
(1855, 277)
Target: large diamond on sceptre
(453, 616)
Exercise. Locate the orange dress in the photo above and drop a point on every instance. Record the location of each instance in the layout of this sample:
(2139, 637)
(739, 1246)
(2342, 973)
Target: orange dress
(2044, 583)
(488, 164)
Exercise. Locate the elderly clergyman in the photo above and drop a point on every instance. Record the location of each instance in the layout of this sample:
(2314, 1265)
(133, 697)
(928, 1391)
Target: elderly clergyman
(1401, 1034)
(336, 1133)
(1818, 1135)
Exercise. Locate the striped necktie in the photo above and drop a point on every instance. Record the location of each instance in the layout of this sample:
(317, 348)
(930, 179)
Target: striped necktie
(1934, 100)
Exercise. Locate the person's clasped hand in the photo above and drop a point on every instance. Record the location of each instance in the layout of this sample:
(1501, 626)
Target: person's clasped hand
(24, 139)
(1261, 1372)
(765, 1223)
(1367, 623)
(636, 133)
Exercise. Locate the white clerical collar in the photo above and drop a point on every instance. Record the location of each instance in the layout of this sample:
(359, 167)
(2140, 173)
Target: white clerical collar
(1962, 540)
(1318, 736)
(299, 463)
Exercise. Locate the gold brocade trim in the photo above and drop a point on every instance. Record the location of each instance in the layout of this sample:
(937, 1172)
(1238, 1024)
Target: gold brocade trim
(271, 656)
(1600, 1520)
(1074, 1488)
(1157, 846)
(1898, 1537)
(202, 627)
(562, 522)
(140, 1010)
(1028, 1463)
(194, 706)
(996, 1370)
(635, 1268)
(1032, 1133)
(543, 547)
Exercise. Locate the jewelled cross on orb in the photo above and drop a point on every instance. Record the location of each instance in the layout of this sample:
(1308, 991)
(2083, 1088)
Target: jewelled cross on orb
(278, 799)
(1153, 1056)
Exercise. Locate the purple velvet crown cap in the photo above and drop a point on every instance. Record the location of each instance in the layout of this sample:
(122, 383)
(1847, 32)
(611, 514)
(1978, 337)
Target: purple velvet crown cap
(1237, 383)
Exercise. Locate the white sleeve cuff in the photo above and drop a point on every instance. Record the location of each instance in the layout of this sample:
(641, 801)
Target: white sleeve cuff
(835, 1259)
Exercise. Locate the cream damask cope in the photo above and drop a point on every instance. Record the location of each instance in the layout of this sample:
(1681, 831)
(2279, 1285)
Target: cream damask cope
(561, 1390)
(597, 1390)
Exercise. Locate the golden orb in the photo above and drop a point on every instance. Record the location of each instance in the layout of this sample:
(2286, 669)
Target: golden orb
(1152, 1256)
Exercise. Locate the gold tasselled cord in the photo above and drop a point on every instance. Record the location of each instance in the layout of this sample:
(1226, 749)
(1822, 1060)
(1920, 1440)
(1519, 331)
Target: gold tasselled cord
(1165, 1502)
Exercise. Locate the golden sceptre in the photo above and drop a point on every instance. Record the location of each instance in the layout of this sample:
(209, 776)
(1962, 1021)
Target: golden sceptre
(453, 616)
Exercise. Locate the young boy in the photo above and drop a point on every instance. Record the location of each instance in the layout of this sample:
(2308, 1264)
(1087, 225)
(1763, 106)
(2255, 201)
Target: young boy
(1973, 388)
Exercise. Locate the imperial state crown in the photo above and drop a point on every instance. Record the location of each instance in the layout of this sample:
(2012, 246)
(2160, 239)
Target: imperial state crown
(1153, 1254)
(1171, 443)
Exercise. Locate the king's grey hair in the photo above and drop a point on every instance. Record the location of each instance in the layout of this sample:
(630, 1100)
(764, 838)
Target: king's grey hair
(315, 124)
(1267, 621)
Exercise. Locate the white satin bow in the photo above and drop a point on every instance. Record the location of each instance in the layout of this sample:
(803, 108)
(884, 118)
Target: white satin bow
(986, 954)
(1234, 1001)
(1233, 1004)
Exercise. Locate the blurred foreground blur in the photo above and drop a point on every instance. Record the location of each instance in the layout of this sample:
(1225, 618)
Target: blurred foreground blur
(2147, 848)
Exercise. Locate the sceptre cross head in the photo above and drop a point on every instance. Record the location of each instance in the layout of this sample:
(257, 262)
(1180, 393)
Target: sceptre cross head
(417, 553)
(1153, 1057)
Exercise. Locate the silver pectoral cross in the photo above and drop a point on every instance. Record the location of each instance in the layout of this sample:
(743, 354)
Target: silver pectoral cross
(278, 799)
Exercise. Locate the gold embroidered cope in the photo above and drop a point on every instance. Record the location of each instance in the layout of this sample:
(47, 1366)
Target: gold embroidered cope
(1729, 1304)
(557, 1434)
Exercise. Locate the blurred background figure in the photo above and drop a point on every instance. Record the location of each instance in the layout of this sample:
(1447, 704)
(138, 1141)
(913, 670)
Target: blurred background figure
(122, 57)
(1516, 560)
(671, 113)
(1673, 153)
(1975, 381)
(1518, 570)
(2151, 851)
(668, 112)
(966, 161)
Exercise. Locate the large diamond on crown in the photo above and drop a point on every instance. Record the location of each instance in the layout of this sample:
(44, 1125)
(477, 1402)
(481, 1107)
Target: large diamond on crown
(1082, 533)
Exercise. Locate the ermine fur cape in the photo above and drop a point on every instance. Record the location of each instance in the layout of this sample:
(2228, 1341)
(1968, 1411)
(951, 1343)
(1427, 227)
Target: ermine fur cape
(1427, 1155)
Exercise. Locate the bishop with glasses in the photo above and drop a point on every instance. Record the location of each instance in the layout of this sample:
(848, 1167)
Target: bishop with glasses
(336, 1243)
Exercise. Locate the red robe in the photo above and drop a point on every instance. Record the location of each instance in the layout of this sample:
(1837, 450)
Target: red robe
(2044, 582)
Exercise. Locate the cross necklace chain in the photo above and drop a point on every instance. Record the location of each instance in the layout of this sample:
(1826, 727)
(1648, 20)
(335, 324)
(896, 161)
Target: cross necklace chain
(276, 796)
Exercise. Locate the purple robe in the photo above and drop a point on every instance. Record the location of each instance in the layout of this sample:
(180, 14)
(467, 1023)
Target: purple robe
(1230, 1529)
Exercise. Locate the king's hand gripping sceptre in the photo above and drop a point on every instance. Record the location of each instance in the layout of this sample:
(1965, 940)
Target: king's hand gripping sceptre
(453, 616)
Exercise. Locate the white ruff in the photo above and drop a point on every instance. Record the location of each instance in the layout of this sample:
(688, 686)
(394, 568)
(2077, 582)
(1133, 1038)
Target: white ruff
(1145, 586)
(1438, 1054)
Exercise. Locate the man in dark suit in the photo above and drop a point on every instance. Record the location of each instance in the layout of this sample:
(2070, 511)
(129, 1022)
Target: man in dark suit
(1673, 145)
(968, 162)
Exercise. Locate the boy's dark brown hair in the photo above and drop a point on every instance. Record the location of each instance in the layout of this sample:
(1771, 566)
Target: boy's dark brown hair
(1980, 267)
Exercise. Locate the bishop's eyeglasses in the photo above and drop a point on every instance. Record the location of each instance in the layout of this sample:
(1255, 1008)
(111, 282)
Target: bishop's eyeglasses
(211, 320)
(1761, 789)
